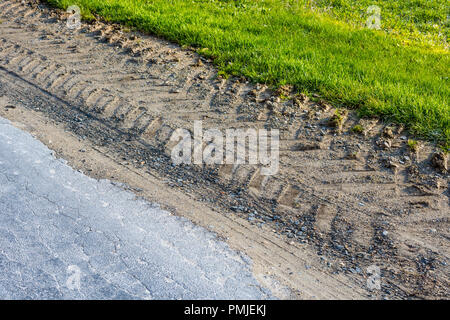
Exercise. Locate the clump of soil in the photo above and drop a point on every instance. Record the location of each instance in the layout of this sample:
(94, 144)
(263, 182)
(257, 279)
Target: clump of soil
(338, 118)
(439, 160)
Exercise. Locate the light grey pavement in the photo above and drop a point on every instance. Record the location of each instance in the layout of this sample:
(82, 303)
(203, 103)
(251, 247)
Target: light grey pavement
(64, 235)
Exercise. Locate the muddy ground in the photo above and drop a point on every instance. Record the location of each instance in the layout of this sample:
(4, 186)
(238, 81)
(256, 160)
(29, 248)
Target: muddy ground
(345, 198)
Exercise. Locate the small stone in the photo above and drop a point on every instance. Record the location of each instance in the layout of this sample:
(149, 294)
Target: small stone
(353, 156)
(387, 132)
(392, 165)
(270, 105)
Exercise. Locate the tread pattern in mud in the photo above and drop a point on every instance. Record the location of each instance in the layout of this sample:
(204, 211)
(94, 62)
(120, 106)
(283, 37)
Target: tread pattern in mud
(331, 186)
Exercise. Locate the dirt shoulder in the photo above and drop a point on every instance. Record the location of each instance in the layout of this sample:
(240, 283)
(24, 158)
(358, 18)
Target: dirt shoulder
(107, 101)
(289, 270)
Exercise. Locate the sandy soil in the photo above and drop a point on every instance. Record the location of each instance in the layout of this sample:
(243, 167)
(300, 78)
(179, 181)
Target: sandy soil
(108, 100)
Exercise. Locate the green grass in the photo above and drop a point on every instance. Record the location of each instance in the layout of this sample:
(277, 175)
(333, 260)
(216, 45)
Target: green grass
(399, 73)
(423, 20)
(357, 129)
(413, 145)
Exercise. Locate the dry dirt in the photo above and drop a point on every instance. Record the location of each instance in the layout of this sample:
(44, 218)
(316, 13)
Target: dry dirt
(108, 101)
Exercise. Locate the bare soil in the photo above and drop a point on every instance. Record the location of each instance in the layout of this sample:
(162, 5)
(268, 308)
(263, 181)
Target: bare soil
(108, 101)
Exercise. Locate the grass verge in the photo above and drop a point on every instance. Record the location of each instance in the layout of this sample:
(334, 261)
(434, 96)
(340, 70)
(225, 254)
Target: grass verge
(328, 52)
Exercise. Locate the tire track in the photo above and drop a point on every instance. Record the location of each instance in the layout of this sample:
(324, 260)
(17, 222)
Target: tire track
(146, 89)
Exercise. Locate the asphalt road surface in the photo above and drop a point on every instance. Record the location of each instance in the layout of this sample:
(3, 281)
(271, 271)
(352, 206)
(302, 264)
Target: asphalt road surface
(64, 235)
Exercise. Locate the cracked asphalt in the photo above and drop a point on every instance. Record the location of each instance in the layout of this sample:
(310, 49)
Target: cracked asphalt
(64, 235)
